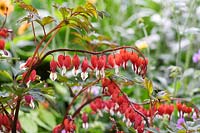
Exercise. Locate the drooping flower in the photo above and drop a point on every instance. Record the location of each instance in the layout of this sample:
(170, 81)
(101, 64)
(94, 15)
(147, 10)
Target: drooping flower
(118, 62)
(196, 57)
(64, 62)
(28, 63)
(84, 67)
(69, 125)
(76, 64)
(101, 65)
(125, 57)
(31, 78)
(57, 128)
(111, 60)
(2, 44)
(53, 66)
(4, 32)
(5, 7)
(85, 120)
(94, 62)
(29, 101)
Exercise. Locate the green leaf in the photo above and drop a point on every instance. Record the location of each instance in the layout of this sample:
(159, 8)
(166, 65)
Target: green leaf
(47, 117)
(28, 125)
(65, 11)
(91, 9)
(148, 85)
(47, 90)
(41, 123)
(47, 20)
(5, 76)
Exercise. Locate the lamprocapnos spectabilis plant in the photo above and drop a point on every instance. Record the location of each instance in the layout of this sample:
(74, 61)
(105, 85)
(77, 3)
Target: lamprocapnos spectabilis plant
(88, 67)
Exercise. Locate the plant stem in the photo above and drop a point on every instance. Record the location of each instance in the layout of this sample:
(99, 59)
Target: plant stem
(33, 28)
(52, 37)
(83, 105)
(79, 93)
(88, 52)
(14, 124)
(38, 47)
(4, 22)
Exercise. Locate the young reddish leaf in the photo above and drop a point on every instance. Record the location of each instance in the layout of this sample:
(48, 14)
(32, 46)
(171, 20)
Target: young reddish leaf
(28, 8)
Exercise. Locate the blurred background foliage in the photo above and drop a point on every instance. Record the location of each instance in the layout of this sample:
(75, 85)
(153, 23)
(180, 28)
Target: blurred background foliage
(166, 32)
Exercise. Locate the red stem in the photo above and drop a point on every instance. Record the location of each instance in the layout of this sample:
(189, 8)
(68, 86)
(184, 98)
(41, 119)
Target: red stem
(14, 124)
(84, 104)
(79, 93)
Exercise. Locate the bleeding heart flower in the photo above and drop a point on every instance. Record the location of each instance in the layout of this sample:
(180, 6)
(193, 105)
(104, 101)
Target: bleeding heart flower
(29, 101)
(84, 67)
(64, 62)
(31, 77)
(76, 63)
(118, 62)
(53, 66)
(125, 57)
(85, 120)
(28, 62)
(2, 44)
(94, 62)
(111, 60)
(101, 65)
(69, 125)
(4, 32)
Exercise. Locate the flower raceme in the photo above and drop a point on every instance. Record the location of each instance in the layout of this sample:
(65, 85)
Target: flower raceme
(182, 108)
(118, 104)
(101, 63)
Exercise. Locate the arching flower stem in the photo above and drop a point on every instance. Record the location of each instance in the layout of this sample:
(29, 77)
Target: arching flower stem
(78, 94)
